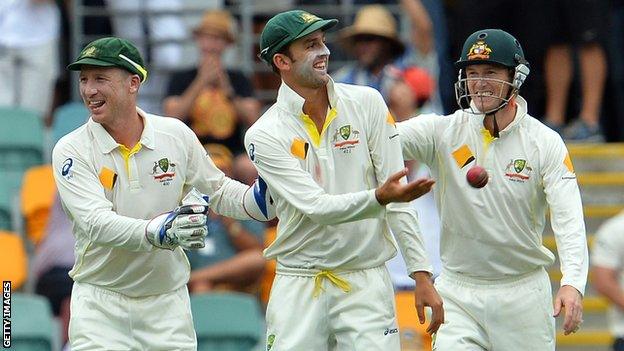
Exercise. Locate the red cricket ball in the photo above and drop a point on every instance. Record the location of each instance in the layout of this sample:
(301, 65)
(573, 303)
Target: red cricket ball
(477, 177)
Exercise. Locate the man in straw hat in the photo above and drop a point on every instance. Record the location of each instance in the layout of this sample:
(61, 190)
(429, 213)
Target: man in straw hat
(373, 40)
(496, 290)
(330, 156)
(217, 103)
(121, 178)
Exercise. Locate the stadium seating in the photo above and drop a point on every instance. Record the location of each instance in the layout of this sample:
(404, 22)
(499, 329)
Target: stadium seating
(21, 139)
(413, 334)
(33, 327)
(227, 321)
(9, 191)
(13, 259)
(37, 196)
(67, 118)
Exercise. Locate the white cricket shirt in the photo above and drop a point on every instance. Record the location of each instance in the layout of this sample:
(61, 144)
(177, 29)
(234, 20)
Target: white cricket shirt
(608, 252)
(110, 199)
(496, 231)
(323, 183)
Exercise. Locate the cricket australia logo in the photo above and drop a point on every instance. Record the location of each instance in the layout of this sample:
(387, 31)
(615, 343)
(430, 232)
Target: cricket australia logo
(518, 171)
(479, 51)
(345, 138)
(270, 342)
(163, 171)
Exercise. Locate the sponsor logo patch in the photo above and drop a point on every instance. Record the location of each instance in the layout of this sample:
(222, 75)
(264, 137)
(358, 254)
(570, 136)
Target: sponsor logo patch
(66, 170)
(389, 331)
(345, 138)
(299, 148)
(270, 341)
(252, 152)
(108, 178)
(163, 171)
(463, 156)
(518, 170)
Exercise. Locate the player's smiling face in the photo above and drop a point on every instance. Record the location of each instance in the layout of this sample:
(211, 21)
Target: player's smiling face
(488, 85)
(310, 58)
(106, 91)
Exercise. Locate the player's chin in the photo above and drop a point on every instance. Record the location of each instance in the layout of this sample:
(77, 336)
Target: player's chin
(98, 116)
(487, 105)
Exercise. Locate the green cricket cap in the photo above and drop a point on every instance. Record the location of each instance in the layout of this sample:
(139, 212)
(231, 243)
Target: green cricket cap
(111, 52)
(286, 27)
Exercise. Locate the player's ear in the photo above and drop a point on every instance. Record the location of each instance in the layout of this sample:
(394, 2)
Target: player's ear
(135, 82)
(281, 61)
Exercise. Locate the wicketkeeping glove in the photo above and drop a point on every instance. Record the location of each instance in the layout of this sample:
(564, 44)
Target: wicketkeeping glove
(185, 226)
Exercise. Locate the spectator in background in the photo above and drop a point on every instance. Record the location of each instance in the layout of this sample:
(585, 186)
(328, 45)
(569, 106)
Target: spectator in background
(216, 102)
(29, 53)
(586, 35)
(158, 32)
(232, 258)
(381, 56)
(412, 94)
(243, 169)
(607, 260)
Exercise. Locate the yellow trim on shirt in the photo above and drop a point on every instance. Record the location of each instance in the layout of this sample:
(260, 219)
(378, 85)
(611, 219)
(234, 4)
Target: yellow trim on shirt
(336, 280)
(126, 153)
(310, 127)
(488, 138)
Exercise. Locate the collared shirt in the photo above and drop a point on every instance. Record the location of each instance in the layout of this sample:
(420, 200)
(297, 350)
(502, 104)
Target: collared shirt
(324, 183)
(111, 192)
(496, 231)
(608, 252)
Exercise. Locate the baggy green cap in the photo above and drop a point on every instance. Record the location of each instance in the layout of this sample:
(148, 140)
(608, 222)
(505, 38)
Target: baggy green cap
(286, 27)
(111, 52)
(491, 46)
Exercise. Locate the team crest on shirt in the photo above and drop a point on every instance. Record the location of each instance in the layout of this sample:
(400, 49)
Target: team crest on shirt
(345, 138)
(270, 342)
(163, 171)
(518, 171)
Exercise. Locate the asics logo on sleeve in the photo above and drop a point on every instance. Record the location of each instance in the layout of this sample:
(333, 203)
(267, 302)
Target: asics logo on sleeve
(252, 152)
(67, 165)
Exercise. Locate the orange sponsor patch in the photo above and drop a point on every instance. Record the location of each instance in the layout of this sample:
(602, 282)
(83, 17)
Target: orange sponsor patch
(568, 163)
(299, 148)
(463, 156)
(108, 178)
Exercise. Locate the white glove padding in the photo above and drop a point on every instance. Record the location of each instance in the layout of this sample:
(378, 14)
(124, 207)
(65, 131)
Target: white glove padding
(185, 226)
(258, 203)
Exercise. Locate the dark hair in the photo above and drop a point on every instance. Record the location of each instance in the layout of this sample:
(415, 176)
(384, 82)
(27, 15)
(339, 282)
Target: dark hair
(284, 51)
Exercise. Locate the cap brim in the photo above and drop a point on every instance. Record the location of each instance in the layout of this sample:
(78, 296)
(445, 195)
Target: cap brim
(90, 61)
(319, 25)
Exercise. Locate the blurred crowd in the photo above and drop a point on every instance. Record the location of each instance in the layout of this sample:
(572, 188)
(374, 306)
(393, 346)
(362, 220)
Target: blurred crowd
(403, 48)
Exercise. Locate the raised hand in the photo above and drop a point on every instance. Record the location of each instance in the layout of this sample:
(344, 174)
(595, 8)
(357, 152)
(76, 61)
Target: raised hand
(394, 191)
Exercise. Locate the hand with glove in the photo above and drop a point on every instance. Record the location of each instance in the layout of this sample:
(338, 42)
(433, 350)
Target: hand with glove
(185, 226)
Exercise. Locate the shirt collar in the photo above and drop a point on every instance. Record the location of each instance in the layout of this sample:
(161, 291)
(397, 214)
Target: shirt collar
(521, 112)
(292, 102)
(105, 141)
